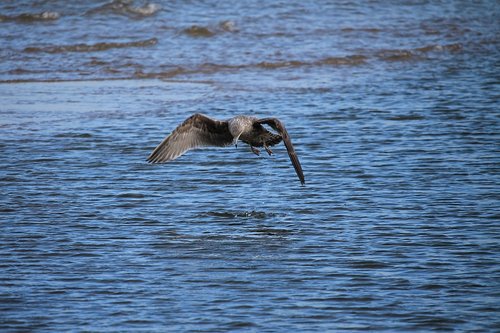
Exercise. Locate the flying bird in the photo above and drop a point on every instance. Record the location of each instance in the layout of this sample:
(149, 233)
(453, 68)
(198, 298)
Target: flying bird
(202, 131)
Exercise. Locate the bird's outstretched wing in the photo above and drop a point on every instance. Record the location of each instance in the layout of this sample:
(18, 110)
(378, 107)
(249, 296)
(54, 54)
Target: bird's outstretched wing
(196, 131)
(280, 128)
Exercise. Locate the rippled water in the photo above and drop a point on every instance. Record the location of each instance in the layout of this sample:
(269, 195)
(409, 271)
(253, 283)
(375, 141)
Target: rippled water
(392, 107)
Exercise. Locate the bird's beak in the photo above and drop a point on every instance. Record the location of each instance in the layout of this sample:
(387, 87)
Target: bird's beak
(236, 140)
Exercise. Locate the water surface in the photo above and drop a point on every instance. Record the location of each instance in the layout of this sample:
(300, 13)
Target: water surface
(393, 110)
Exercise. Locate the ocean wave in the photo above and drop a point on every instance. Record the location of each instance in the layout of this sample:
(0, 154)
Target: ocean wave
(25, 71)
(209, 68)
(144, 70)
(201, 31)
(417, 53)
(329, 61)
(397, 55)
(126, 8)
(229, 26)
(372, 30)
(140, 74)
(441, 48)
(351, 60)
(31, 17)
(90, 47)
(279, 64)
(198, 31)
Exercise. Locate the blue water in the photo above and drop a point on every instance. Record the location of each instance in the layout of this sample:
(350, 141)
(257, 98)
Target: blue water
(393, 111)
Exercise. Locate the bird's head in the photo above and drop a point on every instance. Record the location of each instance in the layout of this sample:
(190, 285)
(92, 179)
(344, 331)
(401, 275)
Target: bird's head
(237, 126)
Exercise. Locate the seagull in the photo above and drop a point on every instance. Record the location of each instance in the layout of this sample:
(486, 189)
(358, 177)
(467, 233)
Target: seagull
(202, 131)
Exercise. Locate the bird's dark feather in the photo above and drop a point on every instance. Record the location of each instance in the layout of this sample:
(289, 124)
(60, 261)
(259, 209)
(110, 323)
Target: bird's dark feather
(196, 131)
(280, 128)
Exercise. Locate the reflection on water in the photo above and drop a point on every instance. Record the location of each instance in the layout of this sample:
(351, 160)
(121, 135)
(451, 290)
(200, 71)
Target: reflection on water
(393, 111)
